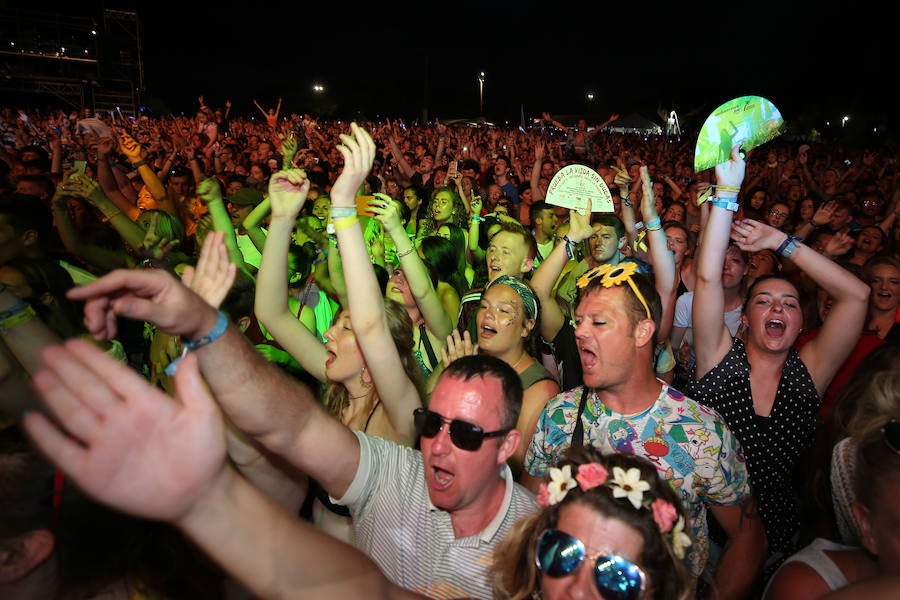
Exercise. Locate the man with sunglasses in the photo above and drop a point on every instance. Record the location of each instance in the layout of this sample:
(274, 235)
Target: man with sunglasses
(429, 518)
(622, 407)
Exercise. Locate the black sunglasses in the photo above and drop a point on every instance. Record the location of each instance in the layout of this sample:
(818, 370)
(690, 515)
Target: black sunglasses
(463, 434)
(891, 433)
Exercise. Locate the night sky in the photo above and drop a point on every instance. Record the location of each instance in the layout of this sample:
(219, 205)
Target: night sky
(399, 59)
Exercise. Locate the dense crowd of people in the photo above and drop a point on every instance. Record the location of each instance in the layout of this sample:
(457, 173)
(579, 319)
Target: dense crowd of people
(400, 371)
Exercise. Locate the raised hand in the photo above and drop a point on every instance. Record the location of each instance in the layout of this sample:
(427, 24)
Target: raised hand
(209, 190)
(579, 226)
(648, 202)
(130, 146)
(386, 212)
(358, 150)
(751, 235)
(152, 295)
(458, 347)
(824, 213)
(838, 245)
(287, 192)
(214, 274)
(105, 146)
(126, 443)
(731, 172)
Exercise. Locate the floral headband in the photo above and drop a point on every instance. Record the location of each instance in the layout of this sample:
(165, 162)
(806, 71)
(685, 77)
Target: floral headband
(624, 484)
(611, 275)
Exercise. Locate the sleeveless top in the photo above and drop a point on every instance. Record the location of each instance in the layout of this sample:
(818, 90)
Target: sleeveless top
(772, 445)
(815, 558)
(536, 372)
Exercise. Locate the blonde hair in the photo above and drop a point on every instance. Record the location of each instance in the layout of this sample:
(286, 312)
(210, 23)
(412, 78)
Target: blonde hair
(336, 398)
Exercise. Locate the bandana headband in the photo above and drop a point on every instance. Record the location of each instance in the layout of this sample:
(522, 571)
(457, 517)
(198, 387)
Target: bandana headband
(524, 292)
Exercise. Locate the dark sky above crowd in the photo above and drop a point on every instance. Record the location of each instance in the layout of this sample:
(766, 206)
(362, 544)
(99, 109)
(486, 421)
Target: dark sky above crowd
(401, 59)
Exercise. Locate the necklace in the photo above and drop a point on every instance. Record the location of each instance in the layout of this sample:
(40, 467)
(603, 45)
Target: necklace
(357, 397)
(516, 364)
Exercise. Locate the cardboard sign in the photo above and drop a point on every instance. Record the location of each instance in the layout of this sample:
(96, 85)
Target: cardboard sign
(749, 121)
(580, 188)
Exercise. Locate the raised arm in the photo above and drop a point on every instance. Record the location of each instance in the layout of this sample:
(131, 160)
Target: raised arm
(841, 330)
(210, 193)
(144, 454)
(712, 339)
(266, 404)
(662, 259)
(544, 278)
(365, 302)
(287, 194)
(212, 278)
(427, 299)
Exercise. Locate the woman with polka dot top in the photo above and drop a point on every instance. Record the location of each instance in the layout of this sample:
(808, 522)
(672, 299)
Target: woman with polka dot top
(767, 392)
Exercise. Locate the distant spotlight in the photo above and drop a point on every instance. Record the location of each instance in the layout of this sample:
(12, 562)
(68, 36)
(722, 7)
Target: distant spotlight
(93, 32)
(590, 96)
(844, 120)
(318, 88)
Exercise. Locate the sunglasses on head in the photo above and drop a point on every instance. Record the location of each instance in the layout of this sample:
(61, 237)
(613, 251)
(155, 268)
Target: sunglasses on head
(891, 433)
(558, 554)
(463, 434)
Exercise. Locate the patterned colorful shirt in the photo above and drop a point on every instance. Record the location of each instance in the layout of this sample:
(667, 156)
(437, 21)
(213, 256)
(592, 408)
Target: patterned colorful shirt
(690, 445)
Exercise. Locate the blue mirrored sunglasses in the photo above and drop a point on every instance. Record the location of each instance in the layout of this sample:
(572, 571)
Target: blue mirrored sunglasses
(558, 554)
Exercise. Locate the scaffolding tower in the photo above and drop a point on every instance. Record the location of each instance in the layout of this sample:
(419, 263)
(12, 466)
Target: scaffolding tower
(82, 62)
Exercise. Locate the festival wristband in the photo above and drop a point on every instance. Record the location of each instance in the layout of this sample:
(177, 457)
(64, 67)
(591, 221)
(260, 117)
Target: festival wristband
(217, 331)
(726, 204)
(345, 222)
(340, 212)
(16, 318)
(787, 247)
(653, 225)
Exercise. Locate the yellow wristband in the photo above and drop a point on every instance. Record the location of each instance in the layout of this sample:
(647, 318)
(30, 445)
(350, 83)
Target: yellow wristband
(18, 318)
(344, 223)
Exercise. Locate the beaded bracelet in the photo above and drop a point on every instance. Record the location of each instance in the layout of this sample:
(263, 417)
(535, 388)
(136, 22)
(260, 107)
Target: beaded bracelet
(406, 252)
(218, 331)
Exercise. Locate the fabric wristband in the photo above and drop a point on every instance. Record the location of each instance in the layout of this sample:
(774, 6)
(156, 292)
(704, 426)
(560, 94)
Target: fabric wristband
(139, 163)
(217, 331)
(17, 318)
(787, 247)
(477, 218)
(570, 247)
(345, 222)
(653, 225)
(14, 309)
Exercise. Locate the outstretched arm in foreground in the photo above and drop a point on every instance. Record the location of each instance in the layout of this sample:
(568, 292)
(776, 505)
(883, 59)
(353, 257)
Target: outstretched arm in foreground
(366, 305)
(134, 448)
(266, 404)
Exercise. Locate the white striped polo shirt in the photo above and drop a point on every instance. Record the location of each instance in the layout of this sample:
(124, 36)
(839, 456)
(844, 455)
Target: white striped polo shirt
(395, 523)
